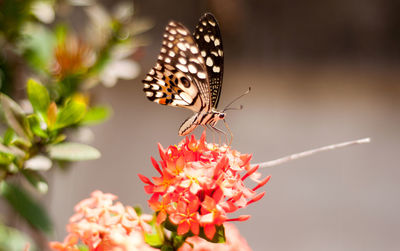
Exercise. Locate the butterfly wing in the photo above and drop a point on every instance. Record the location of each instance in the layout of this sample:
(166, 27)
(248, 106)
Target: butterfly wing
(209, 41)
(180, 75)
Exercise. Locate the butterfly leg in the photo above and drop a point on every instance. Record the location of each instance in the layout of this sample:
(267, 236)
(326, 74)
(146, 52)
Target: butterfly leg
(213, 131)
(230, 132)
(205, 127)
(221, 132)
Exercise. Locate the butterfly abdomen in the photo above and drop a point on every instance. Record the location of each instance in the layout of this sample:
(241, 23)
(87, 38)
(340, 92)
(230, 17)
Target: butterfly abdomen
(202, 118)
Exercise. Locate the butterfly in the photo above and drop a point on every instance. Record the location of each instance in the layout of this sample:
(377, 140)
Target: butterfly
(189, 72)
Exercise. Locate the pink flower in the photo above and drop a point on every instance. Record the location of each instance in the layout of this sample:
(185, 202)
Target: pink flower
(234, 242)
(200, 184)
(104, 225)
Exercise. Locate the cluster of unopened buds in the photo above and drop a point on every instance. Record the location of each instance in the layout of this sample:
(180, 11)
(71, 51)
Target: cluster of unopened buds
(200, 184)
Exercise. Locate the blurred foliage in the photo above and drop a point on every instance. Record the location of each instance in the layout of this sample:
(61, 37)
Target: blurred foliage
(59, 62)
(13, 240)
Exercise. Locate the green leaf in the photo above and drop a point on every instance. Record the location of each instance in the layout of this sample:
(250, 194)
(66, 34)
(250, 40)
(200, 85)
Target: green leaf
(26, 206)
(38, 163)
(60, 138)
(72, 113)
(156, 237)
(36, 127)
(167, 247)
(138, 210)
(36, 180)
(219, 236)
(13, 240)
(83, 247)
(39, 97)
(96, 115)
(12, 150)
(15, 118)
(6, 158)
(8, 136)
(73, 152)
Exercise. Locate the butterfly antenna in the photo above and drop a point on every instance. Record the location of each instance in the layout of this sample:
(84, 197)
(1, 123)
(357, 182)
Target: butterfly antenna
(233, 108)
(236, 99)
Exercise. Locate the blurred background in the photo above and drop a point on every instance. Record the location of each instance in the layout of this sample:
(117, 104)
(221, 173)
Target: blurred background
(321, 72)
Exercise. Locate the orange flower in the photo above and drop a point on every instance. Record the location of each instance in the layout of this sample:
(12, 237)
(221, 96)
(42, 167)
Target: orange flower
(200, 184)
(72, 56)
(104, 225)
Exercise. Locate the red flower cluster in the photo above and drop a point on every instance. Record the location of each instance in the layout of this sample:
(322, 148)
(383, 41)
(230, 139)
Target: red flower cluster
(103, 225)
(200, 184)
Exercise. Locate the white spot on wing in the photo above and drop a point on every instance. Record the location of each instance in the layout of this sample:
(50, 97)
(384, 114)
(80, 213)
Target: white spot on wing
(146, 86)
(201, 75)
(148, 78)
(217, 42)
(182, 68)
(216, 69)
(160, 82)
(155, 87)
(182, 60)
(159, 94)
(211, 22)
(209, 61)
(194, 50)
(167, 60)
(182, 31)
(171, 54)
(203, 53)
(181, 46)
(192, 68)
(207, 38)
(179, 102)
(149, 94)
(186, 97)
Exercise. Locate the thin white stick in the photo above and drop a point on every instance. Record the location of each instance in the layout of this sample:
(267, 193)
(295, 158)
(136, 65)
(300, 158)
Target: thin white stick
(311, 152)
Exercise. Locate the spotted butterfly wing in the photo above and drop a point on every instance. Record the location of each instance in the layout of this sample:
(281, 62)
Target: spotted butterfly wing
(209, 40)
(180, 75)
(183, 75)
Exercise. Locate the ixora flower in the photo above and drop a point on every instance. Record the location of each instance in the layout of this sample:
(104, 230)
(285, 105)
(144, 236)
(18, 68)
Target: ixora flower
(234, 242)
(104, 225)
(200, 184)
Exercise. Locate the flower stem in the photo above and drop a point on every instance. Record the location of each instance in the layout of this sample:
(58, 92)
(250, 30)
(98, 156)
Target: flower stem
(311, 152)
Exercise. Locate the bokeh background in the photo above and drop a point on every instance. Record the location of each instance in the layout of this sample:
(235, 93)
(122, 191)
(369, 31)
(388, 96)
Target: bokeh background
(321, 72)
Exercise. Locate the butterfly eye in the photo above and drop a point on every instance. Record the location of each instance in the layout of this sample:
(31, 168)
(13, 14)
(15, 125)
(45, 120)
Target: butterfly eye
(185, 82)
(222, 115)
